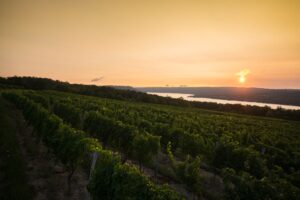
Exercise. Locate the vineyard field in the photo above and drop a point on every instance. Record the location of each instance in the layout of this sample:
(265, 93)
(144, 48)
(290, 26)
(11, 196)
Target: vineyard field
(200, 154)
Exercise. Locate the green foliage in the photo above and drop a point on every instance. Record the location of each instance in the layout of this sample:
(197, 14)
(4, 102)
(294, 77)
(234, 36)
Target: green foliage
(255, 148)
(189, 173)
(37, 98)
(163, 192)
(100, 185)
(129, 94)
(110, 179)
(145, 146)
(110, 131)
(229, 153)
(170, 153)
(69, 113)
(246, 187)
(68, 144)
(129, 183)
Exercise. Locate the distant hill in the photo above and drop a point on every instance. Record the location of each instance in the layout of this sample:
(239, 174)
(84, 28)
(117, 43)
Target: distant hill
(121, 87)
(277, 96)
(126, 93)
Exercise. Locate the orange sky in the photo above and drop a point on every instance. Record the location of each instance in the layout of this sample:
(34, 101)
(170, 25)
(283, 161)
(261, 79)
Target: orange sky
(153, 43)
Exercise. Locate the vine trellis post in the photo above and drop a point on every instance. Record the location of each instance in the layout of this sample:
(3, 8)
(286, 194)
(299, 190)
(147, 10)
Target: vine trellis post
(94, 160)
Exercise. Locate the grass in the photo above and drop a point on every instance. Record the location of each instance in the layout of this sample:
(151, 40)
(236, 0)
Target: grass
(13, 184)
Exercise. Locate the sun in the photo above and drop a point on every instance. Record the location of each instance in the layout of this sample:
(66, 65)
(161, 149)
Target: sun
(242, 79)
(242, 75)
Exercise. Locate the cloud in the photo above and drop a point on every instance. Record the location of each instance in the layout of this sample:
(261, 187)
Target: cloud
(97, 79)
(243, 73)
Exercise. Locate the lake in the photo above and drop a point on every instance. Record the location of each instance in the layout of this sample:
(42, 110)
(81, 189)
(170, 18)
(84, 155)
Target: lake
(189, 97)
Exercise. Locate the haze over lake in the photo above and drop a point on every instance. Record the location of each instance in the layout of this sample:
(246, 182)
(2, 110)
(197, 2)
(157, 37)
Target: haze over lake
(189, 97)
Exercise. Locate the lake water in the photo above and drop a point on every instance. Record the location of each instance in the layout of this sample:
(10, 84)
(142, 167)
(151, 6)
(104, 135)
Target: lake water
(189, 97)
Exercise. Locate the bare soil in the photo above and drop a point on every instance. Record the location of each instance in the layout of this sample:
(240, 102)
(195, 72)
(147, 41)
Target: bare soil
(212, 184)
(47, 176)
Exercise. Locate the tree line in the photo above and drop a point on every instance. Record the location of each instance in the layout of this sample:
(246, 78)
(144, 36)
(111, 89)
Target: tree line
(133, 95)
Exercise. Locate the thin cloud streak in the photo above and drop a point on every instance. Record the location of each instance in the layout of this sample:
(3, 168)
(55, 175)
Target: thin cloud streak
(97, 79)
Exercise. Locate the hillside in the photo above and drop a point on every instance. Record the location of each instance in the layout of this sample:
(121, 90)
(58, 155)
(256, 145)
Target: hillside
(200, 154)
(126, 93)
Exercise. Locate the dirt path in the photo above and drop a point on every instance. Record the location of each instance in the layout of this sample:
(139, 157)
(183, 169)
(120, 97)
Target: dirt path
(161, 179)
(48, 178)
(211, 183)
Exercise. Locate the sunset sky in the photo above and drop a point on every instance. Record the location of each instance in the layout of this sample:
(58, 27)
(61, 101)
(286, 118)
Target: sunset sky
(153, 43)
